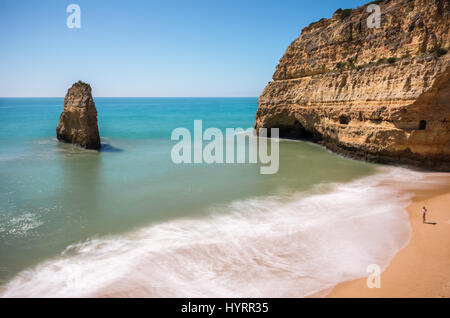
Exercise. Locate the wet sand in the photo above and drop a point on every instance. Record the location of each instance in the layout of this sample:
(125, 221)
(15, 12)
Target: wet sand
(422, 268)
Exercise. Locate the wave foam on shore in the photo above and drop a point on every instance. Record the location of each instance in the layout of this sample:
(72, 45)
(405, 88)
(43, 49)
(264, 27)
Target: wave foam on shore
(294, 246)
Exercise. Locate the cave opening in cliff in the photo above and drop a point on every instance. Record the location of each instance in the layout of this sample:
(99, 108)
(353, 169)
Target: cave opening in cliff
(295, 131)
(423, 125)
(344, 120)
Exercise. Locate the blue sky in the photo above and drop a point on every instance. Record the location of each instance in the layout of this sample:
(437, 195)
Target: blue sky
(150, 48)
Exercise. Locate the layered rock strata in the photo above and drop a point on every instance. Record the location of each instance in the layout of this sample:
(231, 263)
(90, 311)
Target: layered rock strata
(380, 94)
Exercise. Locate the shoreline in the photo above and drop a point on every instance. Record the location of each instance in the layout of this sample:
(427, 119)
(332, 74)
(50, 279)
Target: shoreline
(422, 268)
(415, 257)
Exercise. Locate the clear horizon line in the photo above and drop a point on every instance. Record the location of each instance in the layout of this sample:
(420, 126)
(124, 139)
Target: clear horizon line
(135, 96)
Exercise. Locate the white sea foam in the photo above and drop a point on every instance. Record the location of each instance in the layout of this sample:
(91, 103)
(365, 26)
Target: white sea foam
(263, 247)
(46, 141)
(20, 225)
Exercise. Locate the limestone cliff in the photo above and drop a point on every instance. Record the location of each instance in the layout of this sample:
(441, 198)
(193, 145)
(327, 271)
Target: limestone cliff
(378, 94)
(78, 122)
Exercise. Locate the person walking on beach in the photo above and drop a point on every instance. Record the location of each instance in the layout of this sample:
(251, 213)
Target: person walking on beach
(424, 214)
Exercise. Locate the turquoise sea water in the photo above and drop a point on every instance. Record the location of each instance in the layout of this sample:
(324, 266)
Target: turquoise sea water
(67, 209)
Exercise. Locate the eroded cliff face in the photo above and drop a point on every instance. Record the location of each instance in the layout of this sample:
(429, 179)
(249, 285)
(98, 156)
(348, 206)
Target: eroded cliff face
(378, 94)
(78, 122)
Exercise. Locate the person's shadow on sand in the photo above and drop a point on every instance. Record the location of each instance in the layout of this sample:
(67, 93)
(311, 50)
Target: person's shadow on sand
(430, 223)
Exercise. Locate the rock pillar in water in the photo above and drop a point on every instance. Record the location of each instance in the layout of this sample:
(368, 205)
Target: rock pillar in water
(78, 122)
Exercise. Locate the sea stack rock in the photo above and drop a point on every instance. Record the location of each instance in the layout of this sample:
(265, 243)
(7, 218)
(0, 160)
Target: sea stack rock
(78, 122)
(380, 94)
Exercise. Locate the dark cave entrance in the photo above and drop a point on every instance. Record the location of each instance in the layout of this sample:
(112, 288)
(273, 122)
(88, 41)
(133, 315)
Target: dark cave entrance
(295, 131)
(423, 125)
(344, 120)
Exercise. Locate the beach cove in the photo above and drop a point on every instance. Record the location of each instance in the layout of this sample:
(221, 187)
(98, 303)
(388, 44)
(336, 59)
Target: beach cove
(314, 224)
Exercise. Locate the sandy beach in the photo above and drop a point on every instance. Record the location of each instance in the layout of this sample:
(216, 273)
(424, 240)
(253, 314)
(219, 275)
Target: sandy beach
(422, 268)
